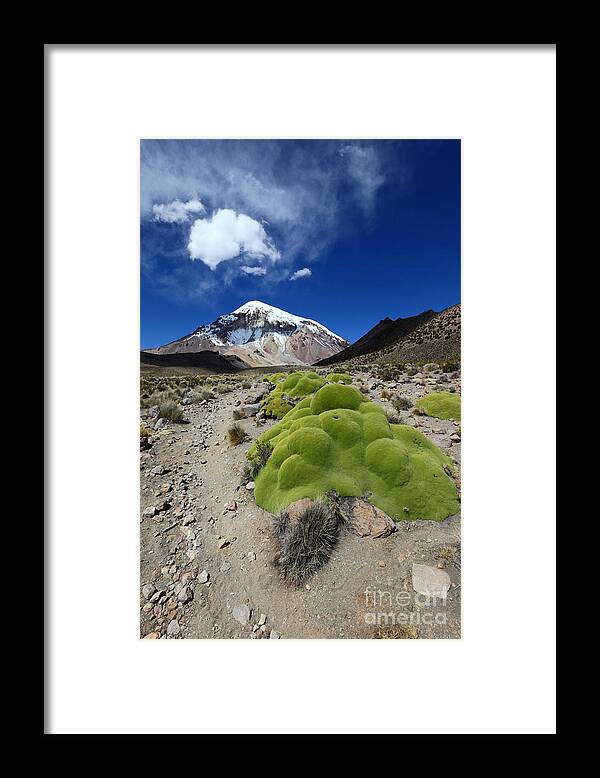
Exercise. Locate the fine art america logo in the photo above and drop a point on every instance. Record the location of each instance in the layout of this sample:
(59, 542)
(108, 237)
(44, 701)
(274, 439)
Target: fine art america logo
(386, 608)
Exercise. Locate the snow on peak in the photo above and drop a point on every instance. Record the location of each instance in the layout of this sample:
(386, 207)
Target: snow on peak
(273, 314)
(256, 305)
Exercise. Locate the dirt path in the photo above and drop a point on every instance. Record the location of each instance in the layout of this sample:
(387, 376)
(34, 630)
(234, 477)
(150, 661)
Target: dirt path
(207, 526)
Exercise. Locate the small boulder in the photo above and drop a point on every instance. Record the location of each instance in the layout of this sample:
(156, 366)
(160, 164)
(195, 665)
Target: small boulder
(366, 520)
(430, 581)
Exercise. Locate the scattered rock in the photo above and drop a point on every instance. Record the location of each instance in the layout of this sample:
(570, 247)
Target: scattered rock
(274, 635)
(430, 581)
(250, 486)
(185, 594)
(242, 614)
(152, 636)
(149, 512)
(173, 628)
(231, 505)
(148, 590)
(203, 577)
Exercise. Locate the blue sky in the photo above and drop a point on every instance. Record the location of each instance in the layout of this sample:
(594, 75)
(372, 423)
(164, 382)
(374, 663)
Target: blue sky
(345, 232)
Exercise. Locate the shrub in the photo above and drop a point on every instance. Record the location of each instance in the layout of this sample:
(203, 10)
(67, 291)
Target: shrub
(449, 367)
(201, 394)
(144, 431)
(401, 403)
(236, 434)
(261, 456)
(305, 544)
(238, 414)
(171, 411)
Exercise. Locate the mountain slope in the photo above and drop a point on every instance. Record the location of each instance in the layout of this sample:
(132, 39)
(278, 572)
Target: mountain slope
(260, 335)
(430, 336)
(436, 340)
(387, 332)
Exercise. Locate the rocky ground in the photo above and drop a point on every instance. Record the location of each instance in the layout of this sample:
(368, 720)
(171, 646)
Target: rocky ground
(206, 549)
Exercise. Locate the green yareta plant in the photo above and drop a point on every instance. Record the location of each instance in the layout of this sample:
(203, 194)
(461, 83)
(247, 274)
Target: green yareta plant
(335, 440)
(441, 405)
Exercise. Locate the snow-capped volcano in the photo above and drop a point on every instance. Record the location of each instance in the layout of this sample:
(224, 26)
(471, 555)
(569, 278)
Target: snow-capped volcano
(261, 334)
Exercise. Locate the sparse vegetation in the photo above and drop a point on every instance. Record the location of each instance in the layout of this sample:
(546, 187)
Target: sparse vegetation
(170, 410)
(306, 542)
(401, 403)
(236, 434)
(261, 456)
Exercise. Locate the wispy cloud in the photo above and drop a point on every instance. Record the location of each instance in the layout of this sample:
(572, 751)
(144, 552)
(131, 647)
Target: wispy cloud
(176, 212)
(364, 169)
(304, 272)
(253, 271)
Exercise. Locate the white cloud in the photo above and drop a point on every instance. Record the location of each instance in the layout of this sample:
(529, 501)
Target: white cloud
(304, 272)
(254, 271)
(227, 234)
(176, 212)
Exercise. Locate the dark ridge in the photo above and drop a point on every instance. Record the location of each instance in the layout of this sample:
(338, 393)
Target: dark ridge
(387, 332)
(208, 359)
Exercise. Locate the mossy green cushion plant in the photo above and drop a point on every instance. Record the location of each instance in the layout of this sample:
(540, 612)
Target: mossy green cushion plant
(274, 406)
(339, 378)
(276, 377)
(297, 384)
(336, 440)
(441, 405)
